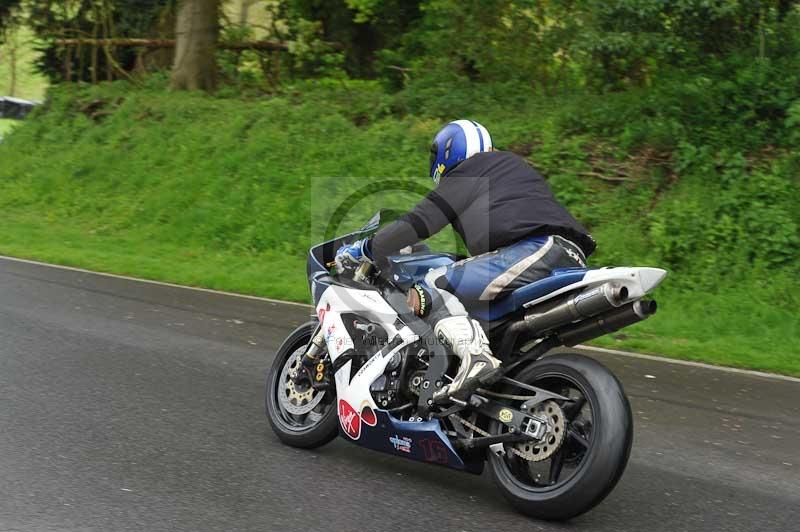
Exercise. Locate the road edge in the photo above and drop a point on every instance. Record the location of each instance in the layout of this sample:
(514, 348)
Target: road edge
(151, 281)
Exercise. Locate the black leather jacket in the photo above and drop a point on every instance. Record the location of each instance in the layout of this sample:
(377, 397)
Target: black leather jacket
(493, 200)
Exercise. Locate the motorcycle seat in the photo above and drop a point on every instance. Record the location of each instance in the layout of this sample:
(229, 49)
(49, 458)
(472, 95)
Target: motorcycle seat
(497, 309)
(408, 269)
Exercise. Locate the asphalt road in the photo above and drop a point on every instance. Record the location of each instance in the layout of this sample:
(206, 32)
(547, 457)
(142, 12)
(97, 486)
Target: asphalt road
(133, 406)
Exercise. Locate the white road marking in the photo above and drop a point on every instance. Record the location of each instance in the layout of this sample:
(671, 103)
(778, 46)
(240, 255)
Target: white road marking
(604, 350)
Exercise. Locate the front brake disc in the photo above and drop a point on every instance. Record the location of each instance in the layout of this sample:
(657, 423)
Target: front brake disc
(293, 400)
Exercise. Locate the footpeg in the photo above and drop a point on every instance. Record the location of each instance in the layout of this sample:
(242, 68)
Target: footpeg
(467, 388)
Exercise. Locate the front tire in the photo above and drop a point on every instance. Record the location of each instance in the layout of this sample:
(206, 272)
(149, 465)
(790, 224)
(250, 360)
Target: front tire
(596, 448)
(304, 418)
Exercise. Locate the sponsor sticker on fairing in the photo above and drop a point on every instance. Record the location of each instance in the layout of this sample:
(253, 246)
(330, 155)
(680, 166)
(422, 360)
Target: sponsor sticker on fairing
(330, 331)
(321, 312)
(401, 443)
(349, 419)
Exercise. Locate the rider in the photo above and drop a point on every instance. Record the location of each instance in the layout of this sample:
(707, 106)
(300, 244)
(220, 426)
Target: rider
(512, 225)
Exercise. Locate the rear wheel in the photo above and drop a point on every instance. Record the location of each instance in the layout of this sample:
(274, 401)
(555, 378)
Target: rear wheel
(299, 415)
(583, 457)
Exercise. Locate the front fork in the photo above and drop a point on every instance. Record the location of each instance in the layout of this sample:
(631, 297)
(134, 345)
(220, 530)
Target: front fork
(312, 365)
(316, 344)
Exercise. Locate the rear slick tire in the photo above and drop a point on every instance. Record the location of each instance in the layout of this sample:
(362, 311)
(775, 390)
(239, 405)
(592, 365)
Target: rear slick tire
(320, 432)
(601, 465)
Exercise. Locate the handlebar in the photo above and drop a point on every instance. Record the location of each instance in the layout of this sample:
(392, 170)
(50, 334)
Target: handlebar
(362, 272)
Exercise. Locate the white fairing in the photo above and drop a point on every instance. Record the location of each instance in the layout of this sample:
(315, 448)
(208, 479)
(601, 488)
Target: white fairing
(354, 394)
(638, 281)
(368, 305)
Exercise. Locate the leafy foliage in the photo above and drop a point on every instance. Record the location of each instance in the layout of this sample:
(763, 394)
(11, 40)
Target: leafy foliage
(52, 19)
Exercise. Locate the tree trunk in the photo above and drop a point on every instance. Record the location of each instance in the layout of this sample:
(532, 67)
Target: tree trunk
(196, 29)
(12, 64)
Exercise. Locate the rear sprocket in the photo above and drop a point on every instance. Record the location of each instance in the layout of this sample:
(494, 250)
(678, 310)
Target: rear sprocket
(538, 451)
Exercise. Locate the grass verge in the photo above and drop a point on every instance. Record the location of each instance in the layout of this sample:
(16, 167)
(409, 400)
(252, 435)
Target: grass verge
(225, 194)
(6, 125)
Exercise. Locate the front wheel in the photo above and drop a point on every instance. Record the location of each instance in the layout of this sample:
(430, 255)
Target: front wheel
(299, 415)
(584, 456)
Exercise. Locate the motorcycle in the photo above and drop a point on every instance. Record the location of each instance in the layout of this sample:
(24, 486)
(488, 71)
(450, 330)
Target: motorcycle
(555, 429)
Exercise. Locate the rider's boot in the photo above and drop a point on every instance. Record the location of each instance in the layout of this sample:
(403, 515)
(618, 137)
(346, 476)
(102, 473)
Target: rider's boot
(466, 339)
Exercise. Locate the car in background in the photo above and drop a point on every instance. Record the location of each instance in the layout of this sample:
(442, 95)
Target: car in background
(14, 109)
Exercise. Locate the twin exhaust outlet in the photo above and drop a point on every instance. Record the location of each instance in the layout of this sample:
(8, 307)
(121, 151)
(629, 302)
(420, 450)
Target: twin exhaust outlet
(599, 310)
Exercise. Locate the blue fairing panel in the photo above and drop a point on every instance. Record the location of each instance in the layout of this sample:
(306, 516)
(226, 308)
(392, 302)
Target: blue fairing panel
(423, 441)
(499, 308)
(407, 269)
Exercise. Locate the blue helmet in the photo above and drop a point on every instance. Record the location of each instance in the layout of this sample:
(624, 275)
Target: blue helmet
(456, 142)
